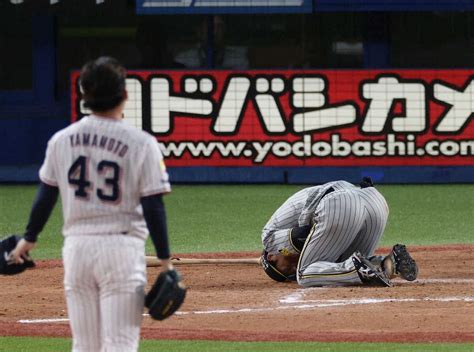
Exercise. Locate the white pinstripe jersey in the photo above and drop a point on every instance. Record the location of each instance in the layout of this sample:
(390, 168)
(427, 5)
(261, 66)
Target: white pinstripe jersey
(298, 210)
(103, 167)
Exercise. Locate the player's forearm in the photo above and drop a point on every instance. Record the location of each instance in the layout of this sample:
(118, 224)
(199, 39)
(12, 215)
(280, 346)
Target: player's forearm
(276, 240)
(155, 217)
(43, 205)
(286, 241)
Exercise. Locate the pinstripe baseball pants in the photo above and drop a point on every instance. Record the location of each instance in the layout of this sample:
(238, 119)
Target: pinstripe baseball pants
(104, 281)
(346, 220)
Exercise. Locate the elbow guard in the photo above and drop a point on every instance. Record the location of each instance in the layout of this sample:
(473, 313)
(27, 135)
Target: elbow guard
(298, 236)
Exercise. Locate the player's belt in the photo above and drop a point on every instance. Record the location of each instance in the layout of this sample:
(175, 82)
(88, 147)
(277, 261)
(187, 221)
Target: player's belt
(366, 182)
(329, 190)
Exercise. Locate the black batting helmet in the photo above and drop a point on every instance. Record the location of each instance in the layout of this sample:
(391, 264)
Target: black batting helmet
(7, 245)
(272, 271)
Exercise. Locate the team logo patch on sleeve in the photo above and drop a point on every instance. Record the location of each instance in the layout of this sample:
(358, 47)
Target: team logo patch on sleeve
(162, 165)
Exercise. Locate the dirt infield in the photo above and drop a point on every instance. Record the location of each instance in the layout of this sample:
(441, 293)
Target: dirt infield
(239, 303)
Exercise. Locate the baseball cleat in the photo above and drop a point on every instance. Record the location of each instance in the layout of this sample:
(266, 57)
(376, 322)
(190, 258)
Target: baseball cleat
(405, 265)
(368, 273)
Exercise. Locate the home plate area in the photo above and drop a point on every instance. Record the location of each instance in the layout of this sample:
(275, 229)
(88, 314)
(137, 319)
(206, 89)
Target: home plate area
(240, 303)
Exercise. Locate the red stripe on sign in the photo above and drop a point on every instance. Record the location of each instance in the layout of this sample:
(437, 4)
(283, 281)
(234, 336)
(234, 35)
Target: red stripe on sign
(304, 117)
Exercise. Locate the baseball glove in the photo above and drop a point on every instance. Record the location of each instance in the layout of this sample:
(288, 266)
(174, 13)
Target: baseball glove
(6, 266)
(166, 295)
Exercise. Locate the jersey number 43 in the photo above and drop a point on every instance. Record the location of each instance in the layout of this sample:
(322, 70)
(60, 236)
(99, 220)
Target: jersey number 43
(78, 177)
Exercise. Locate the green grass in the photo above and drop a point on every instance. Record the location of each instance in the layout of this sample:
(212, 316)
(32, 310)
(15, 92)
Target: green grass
(429, 214)
(15, 205)
(23, 344)
(230, 218)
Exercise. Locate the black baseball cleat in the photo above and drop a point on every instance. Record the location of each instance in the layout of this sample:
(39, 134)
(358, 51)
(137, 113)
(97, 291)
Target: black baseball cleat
(405, 265)
(368, 273)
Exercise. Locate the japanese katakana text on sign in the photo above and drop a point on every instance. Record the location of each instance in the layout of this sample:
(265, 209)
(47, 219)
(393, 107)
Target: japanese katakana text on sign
(297, 118)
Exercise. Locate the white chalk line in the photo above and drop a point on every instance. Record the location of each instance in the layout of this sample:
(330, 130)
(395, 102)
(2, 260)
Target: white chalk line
(297, 296)
(296, 300)
(43, 321)
(292, 304)
(436, 281)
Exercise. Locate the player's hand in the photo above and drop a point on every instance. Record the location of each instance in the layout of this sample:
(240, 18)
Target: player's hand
(166, 265)
(21, 250)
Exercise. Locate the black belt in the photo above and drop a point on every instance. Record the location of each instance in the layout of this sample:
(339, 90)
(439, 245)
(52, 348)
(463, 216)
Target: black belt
(329, 190)
(366, 182)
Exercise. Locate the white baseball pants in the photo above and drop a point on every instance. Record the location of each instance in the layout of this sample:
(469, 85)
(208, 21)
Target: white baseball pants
(104, 281)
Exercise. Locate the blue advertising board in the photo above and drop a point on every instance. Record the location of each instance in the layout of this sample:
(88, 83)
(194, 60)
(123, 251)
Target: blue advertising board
(392, 5)
(150, 7)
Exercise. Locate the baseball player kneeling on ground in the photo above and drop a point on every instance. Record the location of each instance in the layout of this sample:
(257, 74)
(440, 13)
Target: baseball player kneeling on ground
(326, 235)
(111, 178)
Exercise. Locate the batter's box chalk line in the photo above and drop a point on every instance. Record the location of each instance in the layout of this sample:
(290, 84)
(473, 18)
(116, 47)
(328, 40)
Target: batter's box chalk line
(291, 302)
(298, 297)
(296, 300)
(435, 281)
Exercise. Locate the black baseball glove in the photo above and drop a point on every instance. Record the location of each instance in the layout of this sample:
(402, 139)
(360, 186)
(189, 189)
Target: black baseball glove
(166, 295)
(6, 266)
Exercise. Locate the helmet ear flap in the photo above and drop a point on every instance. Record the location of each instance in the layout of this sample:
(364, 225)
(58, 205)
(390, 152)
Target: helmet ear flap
(270, 270)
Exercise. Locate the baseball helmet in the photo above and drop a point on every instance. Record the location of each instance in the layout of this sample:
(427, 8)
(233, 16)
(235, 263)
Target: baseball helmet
(6, 267)
(272, 271)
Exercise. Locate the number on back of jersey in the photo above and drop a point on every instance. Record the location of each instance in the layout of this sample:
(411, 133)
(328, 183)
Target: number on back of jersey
(109, 171)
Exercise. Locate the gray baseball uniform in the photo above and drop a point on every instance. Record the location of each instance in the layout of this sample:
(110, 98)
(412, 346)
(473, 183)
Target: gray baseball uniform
(345, 219)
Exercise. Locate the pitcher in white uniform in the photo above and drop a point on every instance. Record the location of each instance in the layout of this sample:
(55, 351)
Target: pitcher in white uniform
(326, 236)
(111, 178)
